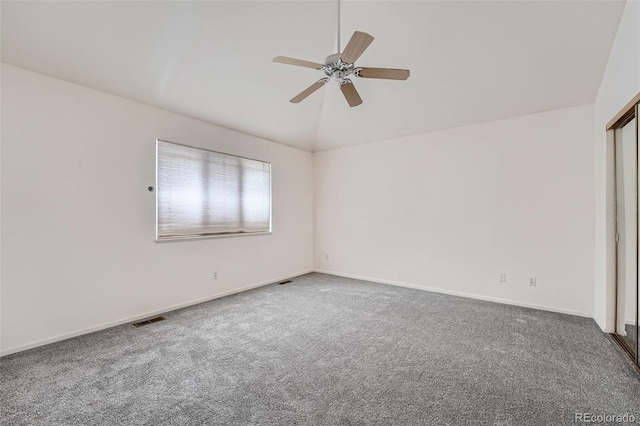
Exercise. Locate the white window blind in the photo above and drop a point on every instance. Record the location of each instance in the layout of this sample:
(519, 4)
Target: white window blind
(202, 193)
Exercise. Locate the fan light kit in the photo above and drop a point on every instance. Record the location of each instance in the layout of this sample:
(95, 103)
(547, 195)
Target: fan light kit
(340, 66)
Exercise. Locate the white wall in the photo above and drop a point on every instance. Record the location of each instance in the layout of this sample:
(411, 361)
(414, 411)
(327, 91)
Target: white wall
(450, 210)
(78, 222)
(620, 83)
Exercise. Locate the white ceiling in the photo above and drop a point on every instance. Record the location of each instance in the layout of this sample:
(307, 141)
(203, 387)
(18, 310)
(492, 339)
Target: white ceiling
(470, 61)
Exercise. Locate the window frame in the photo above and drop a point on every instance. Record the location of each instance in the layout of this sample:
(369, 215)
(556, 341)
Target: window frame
(160, 239)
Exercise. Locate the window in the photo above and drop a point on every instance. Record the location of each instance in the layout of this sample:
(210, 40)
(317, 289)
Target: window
(201, 193)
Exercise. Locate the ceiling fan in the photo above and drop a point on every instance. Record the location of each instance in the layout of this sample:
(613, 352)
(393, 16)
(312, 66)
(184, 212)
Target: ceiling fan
(340, 66)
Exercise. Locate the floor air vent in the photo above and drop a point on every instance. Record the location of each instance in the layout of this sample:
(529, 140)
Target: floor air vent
(148, 321)
(285, 282)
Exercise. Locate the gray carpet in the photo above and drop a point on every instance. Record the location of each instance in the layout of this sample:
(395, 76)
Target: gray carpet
(325, 350)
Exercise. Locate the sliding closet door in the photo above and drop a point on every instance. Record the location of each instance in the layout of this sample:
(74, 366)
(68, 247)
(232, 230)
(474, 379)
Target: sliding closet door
(626, 155)
(637, 323)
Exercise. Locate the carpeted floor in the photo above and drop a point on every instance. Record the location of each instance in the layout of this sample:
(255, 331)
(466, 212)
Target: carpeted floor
(325, 350)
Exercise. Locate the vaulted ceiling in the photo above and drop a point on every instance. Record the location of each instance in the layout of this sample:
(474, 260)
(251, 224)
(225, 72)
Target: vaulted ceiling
(470, 61)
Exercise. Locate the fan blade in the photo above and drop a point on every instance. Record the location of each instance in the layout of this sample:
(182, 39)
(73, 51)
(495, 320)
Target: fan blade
(385, 73)
(298, 62)
(309, 90)
(356, 46)
(350, 93)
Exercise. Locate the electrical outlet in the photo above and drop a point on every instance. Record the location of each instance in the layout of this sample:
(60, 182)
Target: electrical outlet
(502, 277)
(215, 275)
(532, 281)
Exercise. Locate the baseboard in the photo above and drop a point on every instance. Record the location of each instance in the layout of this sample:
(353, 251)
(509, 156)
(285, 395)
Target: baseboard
(459, 293)
(134, 318)
(602, 326)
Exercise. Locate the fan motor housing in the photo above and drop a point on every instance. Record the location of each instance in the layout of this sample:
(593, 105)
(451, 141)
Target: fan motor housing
(337, 70)
(332, 59)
